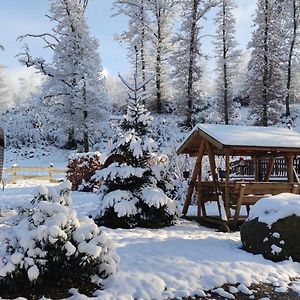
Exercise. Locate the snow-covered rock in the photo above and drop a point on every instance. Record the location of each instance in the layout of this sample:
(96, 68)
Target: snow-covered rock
(272, 228)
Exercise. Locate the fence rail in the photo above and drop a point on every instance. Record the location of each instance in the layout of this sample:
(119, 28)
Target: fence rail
(33, 173)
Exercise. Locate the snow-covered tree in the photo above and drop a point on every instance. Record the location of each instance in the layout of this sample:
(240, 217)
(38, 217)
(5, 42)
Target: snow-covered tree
(227, 57)
(75, 88)
(131, 193)
(188, 58)
(265, 81)
(162, 14)
(5, 93)
(292, 20)
(50, 245)
(137, 33)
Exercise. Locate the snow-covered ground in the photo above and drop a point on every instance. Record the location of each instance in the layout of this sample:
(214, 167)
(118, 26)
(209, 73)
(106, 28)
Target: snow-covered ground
(180, 261)
(184, 260)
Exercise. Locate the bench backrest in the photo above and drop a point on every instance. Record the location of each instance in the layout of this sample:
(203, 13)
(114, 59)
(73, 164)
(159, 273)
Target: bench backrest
(264, 188)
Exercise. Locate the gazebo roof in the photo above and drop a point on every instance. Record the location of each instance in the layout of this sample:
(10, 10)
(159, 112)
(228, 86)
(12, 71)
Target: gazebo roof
(241, 139)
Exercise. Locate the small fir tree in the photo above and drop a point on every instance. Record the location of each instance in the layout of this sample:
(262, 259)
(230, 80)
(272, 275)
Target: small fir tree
(129, 194)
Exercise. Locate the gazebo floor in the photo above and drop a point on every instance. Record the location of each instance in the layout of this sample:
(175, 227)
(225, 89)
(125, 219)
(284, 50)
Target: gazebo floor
(216, 223)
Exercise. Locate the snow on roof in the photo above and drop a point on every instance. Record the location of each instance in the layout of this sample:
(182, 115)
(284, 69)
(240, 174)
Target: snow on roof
(250, 136)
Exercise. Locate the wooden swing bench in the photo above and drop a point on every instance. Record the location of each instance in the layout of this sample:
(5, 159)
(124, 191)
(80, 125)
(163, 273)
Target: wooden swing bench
(230, 196)
(243, 194)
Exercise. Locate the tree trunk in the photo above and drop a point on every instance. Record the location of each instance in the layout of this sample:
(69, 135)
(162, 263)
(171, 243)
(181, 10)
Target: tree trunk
(142, 49)
(290, 59)
(264, 119)
(225, 76)
(190, 94)
(158, 65)
(71, 144)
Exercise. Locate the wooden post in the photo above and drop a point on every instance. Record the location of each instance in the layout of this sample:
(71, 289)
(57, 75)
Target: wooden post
(214, 174)
(296, 177)
(195, 174)
(290, 167)
(269, 169)
(51, 170)
(227, 186)
(14, 175)
(256, 168)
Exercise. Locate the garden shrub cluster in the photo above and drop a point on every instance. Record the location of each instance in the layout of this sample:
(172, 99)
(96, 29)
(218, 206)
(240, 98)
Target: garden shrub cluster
(80, 170)
(51, 244)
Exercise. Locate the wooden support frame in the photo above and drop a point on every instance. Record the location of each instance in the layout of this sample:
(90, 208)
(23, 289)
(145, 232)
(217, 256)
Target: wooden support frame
(238, 206)
(227, 186)
(269, 169)
(290, 167)
(195, 175)
(212, 163)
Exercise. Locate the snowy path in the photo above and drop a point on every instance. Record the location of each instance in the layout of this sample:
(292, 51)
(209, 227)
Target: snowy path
(183, 260)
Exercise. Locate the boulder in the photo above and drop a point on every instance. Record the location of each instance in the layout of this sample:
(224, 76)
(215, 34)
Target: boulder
(273, 227)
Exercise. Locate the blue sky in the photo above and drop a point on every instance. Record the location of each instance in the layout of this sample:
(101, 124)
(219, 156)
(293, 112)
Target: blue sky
(19, 17)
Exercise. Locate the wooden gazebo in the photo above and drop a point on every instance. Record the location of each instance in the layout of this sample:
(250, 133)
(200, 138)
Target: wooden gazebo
(257, 143)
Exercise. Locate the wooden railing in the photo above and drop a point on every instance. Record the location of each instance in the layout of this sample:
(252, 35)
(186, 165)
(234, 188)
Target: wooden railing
(279, 169)
(33, 173)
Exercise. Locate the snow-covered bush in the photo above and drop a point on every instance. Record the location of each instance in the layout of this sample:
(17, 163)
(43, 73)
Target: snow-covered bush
(81, 168)
(51, 244)
(132, 193)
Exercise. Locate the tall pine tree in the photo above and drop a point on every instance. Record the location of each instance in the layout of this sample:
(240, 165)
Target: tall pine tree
(75, 89)
(292, 25)
(265, 82)
(227, 57)
(188, 56)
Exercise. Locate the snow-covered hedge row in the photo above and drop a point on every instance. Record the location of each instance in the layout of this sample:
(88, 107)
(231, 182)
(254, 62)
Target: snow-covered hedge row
(51, 243)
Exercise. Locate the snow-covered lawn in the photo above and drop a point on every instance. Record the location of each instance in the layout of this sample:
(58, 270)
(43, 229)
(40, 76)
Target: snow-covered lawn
(179, 261)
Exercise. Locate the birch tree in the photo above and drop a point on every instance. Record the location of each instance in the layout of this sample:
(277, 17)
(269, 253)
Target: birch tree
(75, 87)
(227, 57)
(189, 56)
(265, 82)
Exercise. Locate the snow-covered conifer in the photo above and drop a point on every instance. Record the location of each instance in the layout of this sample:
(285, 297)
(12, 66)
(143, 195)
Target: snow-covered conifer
(129, 195)
(188, 58)
(162, 13)
(227, 57)
(265, 82)
(137, 33)
(75, 89)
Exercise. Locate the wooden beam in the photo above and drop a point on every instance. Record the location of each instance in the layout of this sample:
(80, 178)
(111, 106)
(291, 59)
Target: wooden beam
(214, 174)
(195, 174)
(290, 166)
(200, 202)
(296, 177)
(269, 169)
(256, 168)
(227, 186)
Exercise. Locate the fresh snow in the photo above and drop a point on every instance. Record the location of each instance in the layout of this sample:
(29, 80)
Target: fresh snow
(255, 136)
(183, 260)
(271, 209)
